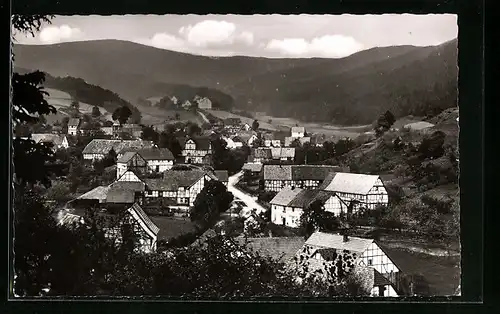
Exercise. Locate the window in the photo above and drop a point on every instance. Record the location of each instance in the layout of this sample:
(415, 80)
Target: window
(370, 262)
(284, 221)
(157, 169)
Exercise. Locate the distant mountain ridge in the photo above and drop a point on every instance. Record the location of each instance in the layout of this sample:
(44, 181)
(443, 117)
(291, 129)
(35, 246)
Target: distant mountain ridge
(324, 90)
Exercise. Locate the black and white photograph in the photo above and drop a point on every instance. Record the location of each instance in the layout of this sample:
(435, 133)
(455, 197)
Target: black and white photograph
(233, 156)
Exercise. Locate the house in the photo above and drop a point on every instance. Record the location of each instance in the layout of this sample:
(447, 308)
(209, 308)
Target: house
(298, 131)
(270, 141)
(230, 144)
(246, 127)
(252, 168)
(157, 159)
(260, 155)
(73, 126)
(195, 149)
(248, 138)
(56, 129)
(367, 191)
(302, 140)
(277, 177)
(322, 250)
(132, 217)
(58, 141)
(289, 204)
(92, 198)
(131, 161)
(282, 249)
(133, 130)
(238, 142)
(99, 148)
(177, 188)
(204, 103)
(130, 176)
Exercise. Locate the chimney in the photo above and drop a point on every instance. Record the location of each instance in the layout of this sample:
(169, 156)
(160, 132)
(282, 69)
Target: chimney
(346, 237)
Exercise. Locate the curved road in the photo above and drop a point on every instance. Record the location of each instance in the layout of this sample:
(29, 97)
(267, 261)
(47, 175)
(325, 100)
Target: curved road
(249, 200)
(203, 116)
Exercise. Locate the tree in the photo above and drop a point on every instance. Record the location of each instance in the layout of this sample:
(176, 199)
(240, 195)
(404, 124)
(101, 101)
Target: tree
(168, 140)
(96, 113)
(149, 134)
(343, 146)
(193, 129)
(59, 192)
(210, 202)
(122, 114)
(432, 146)
(315, 218)
(177, 116)
(255, 125)
(384, 123)
(75, 105)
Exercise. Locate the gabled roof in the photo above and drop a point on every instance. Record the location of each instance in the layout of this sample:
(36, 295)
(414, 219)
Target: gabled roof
(277, 172)
(281, 248)
(174, 179)
(312, 172)
(285, 196)
(47, 137)
(379, 279)
(298, 129)
(120, 196)
(252, 167)
(102, 146)
(354, 183)
(156, 154)
(144, 218)
(336, 241)
(74, 122)
(99, 193)
(129, 185)
(126, 157)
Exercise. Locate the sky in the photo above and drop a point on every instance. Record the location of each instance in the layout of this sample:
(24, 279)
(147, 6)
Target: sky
(272, 36)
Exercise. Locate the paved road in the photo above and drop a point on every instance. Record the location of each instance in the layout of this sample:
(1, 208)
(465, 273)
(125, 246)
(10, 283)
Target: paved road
(204, 117)
(244, 197)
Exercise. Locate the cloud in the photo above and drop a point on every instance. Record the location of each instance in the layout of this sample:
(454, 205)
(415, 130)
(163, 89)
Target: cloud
(329, 46)
(167, 41)
(211, 33)
(55, 34)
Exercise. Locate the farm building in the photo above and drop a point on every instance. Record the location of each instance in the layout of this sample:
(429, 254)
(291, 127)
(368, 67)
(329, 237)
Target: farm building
(73, 126)
(132, 219)
(59, 141)
(93, 197)
(282, 249)
(289, 204)
(99, 148)
(125, 192)
(177, 188)
(277, 177)
(323, 250)
(131, 161)
(252, 168)
(195, 149)
(283, 153)
(367, 191)
(298, 131)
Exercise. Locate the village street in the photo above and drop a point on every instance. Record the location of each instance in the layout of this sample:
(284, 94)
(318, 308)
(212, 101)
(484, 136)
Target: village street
(204, 117)
(249, 201)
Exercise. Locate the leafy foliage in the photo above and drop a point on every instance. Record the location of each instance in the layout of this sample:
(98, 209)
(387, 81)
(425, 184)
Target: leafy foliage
(210, 202)
(315, 218)
(122, 114)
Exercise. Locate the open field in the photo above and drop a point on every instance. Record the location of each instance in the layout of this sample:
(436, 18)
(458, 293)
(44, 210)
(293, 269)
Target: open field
(441, 272)
(286, 123)
(60, 99)
(172, 227)
(156, 116)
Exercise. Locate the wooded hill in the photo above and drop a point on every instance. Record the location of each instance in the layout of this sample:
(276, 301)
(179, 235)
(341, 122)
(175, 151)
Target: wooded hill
(352, 90)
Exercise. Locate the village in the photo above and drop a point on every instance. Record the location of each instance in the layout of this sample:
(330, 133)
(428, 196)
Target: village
(155, 190)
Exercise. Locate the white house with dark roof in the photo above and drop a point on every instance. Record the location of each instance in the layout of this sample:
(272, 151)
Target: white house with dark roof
(158, 159)
(203, 103)
(289, 204)
(362, 190)
(302, 140)
(323, 250)
(73, 126)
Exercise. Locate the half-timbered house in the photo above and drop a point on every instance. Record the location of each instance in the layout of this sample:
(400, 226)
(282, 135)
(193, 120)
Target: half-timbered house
(100, 148)
(195, 149)
(323, 250)
(58, 141)
(157, 159)
(362, 190)
(277, 177)
(131, 161)
(73, 126)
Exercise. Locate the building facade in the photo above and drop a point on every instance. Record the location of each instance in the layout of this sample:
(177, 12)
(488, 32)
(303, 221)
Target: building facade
(195, 150)
(73, 126)
(278, 177)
